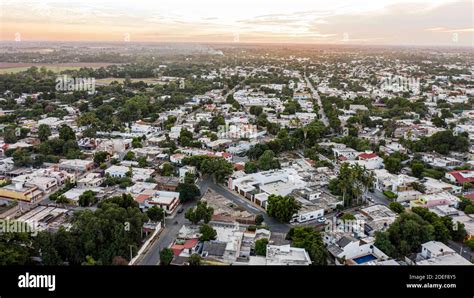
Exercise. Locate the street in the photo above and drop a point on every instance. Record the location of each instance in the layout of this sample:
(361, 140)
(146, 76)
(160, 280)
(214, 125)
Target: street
(462, 250)
(321, 113)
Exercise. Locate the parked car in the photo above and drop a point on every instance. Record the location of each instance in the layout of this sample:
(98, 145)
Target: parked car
(321, 219)
(180, 210)
(339, 214)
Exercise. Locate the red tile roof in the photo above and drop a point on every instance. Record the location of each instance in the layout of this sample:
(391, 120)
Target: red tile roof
(367, 155)
(142, 197)
(178, 248)
(459, 178)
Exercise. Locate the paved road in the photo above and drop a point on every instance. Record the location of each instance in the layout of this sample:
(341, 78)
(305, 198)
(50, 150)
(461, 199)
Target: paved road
(379, 197)
(166, 237)
(321, 113)
(461, 249)
(272, 224)
(170, 231)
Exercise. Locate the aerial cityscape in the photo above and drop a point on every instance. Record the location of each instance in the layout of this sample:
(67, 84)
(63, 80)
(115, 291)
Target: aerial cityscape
(288, 135)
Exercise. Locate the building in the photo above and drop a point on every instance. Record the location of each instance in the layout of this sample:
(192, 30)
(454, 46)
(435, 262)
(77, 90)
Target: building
(45, 184)
(167, 200)
(258, 186)
(460, 177)
(21, 192)
(436, 199)
(438, 253)
(76, 165)
(168, 183)
(287, 255)
(90, 180)
(138, 174)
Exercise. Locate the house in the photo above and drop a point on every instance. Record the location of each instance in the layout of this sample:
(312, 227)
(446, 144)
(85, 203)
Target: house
(460, 177)
(258, 186)
(345, 153)
(21, 192)
(45, 184)
(440, 161)
(137, 174)
(90, 180)
(184, 170)
(168, 183)
(436, 199)
(351, 251)
(76, 165)
(379, 218)
(54, 172)
(438, 253)
(185, 248)
(286, 255)
(167, 200)
(369, 160)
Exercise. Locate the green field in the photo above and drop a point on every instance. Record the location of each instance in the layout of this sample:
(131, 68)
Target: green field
(54, 68)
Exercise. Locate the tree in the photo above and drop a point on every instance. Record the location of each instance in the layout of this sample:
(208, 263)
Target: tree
(259, 219)
(100, 157)
(62, 200)
(166, 256)
(351, 183)
(256, 110)
(187, 191)
(21, 158)
(44, 132)
(282, 208)
(155, 213)
(393, 165)
(201, 212)
(417, 168)
(396, 207)
(194, 260)
(9, 135)
(167, 169)
(250, 167)
(87, 198)
(311, 241)
(142, 162)
(15, 248)
(261, 247)
(405, 234)
(136, 143)
(130, 155)
(66, 133)
(267, 161)
(207, 233)
(469, 209)
(208, 165)
(347, 216)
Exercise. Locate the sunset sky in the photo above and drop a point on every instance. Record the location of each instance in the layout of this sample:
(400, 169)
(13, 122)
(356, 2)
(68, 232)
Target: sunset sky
(385, 22)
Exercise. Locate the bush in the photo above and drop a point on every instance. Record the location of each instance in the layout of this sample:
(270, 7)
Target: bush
(396, 207)
(261, 247)
(470, 244)
(469, 209)
(389, 194)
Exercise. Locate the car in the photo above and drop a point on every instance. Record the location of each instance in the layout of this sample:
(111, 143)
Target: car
(321, 219)
(339, 214)
(180, 210)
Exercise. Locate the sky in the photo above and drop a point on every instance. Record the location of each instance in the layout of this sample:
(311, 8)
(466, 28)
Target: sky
(372, 22)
